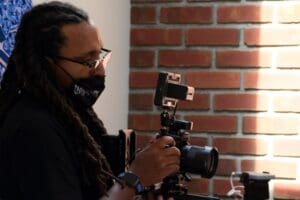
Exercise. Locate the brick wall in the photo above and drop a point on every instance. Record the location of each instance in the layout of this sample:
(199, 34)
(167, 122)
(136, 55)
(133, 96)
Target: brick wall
(243, 58)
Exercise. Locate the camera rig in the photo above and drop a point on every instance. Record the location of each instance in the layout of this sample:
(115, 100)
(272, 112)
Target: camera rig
(194, 159)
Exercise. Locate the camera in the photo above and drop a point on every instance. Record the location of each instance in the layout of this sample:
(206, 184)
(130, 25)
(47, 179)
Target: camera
(194, 159)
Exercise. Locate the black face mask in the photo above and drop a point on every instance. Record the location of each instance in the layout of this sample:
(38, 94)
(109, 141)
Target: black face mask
(84, 92)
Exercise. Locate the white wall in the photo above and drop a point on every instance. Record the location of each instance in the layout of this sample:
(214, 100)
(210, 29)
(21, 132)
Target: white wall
(112, 17)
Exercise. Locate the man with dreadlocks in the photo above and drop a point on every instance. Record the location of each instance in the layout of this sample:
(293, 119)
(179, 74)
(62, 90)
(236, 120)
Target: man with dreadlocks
(49, 133)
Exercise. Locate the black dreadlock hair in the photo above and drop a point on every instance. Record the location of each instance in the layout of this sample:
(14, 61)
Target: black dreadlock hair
(39, 37)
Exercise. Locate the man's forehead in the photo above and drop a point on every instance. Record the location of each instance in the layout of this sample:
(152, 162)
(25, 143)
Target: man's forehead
(80, 38)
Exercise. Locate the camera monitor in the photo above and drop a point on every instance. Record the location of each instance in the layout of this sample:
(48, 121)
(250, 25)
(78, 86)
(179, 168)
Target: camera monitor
(169, 90)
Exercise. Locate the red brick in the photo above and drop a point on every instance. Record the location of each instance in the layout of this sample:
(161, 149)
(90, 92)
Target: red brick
(212, 36)
(198, 141)
(143, 15)
(288, 58)
(283, 80)
(186, 15)
(284, 35)
(286, 103)
(213, 80)
(240, 146)
(200, 102)
(141, 58)
(241, 102)
(282, 169)
(214, 123)
(143, 79)
(286, 189)
(226, 166)
(245, 13)
(140, 101)
(286, 147)
(142, 140)
(144, 122)
(152, 37)
(177, 58)
(250, 59)
(212, 0)
(154, 1)
(270, 125)
(289, 13)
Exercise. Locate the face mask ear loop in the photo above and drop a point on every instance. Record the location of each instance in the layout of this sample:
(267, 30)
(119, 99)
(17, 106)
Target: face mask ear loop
(65, 71)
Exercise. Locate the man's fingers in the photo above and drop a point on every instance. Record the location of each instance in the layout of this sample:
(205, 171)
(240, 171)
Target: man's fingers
(172, 151)
(165, 141)
(172, 160)
(171, 169)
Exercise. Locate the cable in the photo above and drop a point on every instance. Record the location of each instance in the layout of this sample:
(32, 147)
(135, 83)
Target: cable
(234, 191)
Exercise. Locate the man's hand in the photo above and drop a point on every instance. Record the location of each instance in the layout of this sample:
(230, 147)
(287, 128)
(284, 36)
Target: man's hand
(156, 161)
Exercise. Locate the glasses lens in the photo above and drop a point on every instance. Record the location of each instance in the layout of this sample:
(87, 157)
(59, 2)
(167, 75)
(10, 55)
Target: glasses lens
(105, 57)
(94, 64)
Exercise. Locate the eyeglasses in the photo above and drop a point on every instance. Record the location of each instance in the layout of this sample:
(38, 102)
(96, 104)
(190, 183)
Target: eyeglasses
(104, 57)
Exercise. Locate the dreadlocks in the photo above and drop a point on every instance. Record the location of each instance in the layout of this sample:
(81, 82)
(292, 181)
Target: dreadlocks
(39, 37)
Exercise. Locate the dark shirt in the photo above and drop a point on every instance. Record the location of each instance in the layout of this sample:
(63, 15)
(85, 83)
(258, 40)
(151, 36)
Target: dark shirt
(37, 159)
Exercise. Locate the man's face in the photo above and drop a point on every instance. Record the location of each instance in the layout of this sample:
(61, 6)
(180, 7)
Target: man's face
(82, 44)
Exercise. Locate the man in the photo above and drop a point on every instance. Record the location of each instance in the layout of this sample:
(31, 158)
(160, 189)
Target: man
(49, 133)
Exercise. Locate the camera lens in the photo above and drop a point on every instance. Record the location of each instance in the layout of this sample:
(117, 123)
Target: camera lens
(199, 160)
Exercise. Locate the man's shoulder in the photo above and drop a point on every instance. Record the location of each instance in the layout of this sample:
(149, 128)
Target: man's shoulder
(29, 114)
